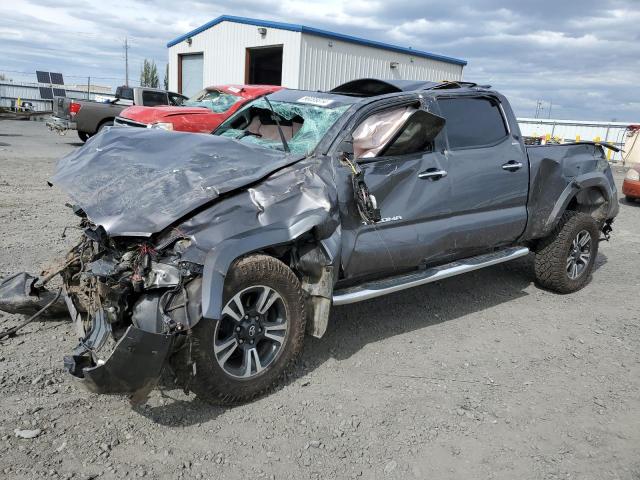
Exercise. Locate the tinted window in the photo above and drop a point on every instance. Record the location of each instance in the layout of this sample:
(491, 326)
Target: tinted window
(152, 99)
(176, 99)
(125, 93)
(472, 121)
(414, 137)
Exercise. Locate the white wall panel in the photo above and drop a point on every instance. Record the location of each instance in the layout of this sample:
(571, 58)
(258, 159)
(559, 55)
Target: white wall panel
(323, 67)
(224, 47)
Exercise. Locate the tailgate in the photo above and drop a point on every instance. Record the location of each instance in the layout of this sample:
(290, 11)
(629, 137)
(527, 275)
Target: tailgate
(61, 107)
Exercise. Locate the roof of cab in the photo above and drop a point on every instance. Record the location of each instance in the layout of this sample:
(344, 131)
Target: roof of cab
(372, 87)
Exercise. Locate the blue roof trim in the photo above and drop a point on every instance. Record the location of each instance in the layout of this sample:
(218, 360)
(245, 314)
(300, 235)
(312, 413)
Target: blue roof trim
(315, 31)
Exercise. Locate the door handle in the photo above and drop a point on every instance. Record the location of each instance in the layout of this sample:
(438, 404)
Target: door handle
(512, 166)
(432, 174)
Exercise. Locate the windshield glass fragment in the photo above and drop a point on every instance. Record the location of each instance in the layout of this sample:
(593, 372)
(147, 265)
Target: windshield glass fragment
(303, 125)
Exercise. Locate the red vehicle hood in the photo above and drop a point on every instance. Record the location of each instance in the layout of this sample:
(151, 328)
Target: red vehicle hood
(157, 114)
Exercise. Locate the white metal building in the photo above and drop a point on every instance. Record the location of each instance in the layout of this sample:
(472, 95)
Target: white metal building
(237, 50)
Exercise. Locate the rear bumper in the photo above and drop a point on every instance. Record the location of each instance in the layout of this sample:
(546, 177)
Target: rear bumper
(631, 188)
(60, 124)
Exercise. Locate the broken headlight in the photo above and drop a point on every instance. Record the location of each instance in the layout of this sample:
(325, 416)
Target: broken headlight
(163, 125)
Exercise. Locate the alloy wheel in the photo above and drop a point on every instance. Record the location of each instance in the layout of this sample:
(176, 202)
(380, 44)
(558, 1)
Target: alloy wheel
(579, 254)
(251, 332)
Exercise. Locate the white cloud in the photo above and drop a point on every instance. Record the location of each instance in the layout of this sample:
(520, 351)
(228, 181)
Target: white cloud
(586, 60)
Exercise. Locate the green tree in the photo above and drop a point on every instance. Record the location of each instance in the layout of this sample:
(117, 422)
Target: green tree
(149, 74)
(166, 77)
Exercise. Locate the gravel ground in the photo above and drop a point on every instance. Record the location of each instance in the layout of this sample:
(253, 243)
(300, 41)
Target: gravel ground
(479, 376)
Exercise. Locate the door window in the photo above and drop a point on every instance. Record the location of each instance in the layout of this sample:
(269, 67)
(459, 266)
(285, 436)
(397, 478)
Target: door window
(473, 121)
(176, 99)
(401, 131)
(153, 99)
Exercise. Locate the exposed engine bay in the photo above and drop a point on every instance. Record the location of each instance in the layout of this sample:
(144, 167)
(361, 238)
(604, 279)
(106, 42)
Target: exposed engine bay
(119, 291)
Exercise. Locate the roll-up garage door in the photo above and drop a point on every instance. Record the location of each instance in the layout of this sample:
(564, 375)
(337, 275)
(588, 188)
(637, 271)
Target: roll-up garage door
(191, 70)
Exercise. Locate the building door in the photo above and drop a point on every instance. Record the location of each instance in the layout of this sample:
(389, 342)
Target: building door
(263, 65)
(190, 71)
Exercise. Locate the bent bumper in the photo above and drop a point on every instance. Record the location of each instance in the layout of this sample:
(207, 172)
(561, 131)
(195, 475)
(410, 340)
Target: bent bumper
(60, 124)
(133, 367)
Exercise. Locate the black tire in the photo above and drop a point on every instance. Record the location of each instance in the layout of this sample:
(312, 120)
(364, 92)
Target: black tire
(211, 382)
(552, 262)
(84, 136)
(108, 123)
(630, 199)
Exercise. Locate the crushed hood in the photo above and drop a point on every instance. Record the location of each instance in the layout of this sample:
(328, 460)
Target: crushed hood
(135, 182)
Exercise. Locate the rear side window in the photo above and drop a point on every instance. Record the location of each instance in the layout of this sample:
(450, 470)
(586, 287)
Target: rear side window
(152, 99)
(472, 122)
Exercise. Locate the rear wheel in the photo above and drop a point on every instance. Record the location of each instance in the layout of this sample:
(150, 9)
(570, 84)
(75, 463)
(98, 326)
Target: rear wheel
(260, 333)
(564, 260)
(630, 199)
(84, 136)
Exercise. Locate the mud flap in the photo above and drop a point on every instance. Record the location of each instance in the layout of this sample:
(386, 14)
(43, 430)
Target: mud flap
(133, 368)
(18, 294)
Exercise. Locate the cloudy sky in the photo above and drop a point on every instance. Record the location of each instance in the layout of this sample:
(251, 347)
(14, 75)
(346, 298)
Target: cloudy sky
(581, 56)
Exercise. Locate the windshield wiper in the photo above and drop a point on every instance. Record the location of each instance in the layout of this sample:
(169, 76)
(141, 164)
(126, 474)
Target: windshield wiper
(285, 145)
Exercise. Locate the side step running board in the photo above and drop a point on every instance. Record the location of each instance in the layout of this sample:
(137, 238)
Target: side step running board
(385, 286)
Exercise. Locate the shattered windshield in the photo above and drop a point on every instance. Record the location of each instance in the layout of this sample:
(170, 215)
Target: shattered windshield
(303, 125)
(217, 102)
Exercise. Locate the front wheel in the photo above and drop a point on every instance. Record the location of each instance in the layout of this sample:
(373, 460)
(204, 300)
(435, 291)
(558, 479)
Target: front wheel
(564, 260)
(260, 333)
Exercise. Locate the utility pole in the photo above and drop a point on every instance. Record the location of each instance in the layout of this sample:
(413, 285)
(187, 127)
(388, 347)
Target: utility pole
(550, 107)
(126, 62)
(538, 108)
(88, 88)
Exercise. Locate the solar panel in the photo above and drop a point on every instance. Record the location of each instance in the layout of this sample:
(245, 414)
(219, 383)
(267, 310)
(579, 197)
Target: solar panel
(56, 79)
(46, 93)
(59, 92)
(43, 77)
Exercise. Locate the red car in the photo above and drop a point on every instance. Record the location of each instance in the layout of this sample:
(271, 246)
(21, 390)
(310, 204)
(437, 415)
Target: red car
(202, 113)
(631, 184)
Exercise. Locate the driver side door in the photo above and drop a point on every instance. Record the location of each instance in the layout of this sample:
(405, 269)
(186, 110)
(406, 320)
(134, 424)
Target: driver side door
(408, 178)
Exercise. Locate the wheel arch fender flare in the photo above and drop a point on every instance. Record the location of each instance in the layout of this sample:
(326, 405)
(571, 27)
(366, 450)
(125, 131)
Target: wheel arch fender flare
(220, 258)
(593, 180)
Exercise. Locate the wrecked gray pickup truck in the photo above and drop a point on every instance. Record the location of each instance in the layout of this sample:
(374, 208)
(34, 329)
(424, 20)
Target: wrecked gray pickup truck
(214, 254)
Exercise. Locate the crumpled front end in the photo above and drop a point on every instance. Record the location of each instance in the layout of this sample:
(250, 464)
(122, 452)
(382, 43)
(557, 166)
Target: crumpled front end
(129, 302)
